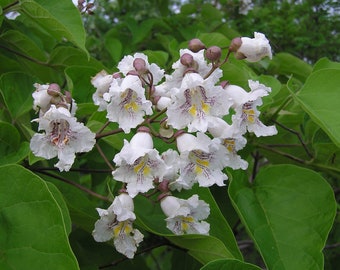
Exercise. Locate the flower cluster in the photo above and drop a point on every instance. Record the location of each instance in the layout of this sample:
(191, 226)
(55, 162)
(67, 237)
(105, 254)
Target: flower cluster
(63, 135)
(203, 118)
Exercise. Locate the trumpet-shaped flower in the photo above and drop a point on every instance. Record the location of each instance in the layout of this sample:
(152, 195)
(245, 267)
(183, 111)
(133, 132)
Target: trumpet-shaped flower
(42, 100)
(186, 216)
(245, 106)
(116, 222)
(101, 82)
(254, 49)
(139, 164)
(202, 161)
(197, 103)
(231, 138)
(63, 137)
(128, 104)
(126, 65)
(200, 66)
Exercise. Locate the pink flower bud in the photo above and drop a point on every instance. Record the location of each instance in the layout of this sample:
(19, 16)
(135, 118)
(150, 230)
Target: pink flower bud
(53, 90)
(195, 45)
(140, 65)
(235, 44)
(187, 60)
(213, 53)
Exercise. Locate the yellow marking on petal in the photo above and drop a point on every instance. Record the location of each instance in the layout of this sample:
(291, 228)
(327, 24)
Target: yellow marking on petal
(205, 107)
(186, 221)
(193, 110)
(204, 163)
(131, 105)
(123, 226)
(229, 144)
(250, 115)
(142, 167)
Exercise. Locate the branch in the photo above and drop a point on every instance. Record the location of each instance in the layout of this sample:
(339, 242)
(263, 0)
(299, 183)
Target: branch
(298, 135)
(92, 193)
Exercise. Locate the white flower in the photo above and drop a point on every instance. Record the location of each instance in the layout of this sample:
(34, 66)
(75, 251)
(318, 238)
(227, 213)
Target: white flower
(202, 161)
(116, 222)
(128, 104)
(63, 137)
(245, 103)
(139, 164)
(101, 82)
(41, 99)
(254, 49)
(175, 79)
(126, 65)
(197, 103)
(185, 216)
(231, 138)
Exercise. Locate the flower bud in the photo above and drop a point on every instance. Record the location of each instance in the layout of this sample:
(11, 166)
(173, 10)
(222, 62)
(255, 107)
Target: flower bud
(213, 53)
(140, 65)
(254, 49)
(53, 90)
(224, 84)
(235, 44)
(187, 60)
(117, 75)
(68, 97)
(195, 45)
(170, 205)
(142, 139)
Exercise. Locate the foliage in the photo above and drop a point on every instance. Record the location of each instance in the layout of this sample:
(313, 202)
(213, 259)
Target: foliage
(280, 213)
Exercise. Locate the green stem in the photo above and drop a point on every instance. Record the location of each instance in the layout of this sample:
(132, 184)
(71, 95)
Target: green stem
(92, 193)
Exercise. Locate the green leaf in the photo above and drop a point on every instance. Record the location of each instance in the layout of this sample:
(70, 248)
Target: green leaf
(79, 82)
(287, 64)
(69, 56)
(325, 63)
(30, 217)
(203, 248)
(288, 211)
(160, 58)
(320, 98)
(17, 93)
(113, 46)
(59, 18)
(16, 40)
(227, 264)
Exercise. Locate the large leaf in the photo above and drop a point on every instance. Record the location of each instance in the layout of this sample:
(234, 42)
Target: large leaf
(19, 41)
(17, 93)
(287, 64)
(227, 264)
(320, 98)
(59, 18)
(30, 217)
(288, 211)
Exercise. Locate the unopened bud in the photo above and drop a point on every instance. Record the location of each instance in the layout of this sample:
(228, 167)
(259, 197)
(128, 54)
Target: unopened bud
(195, 45)
(116, 75)
(133, 72)
(140, 65)
(235, 44)
(53, 90)
(213, 53)
(164, 187)
(68, 97)
(224, 84)
(187, 59)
